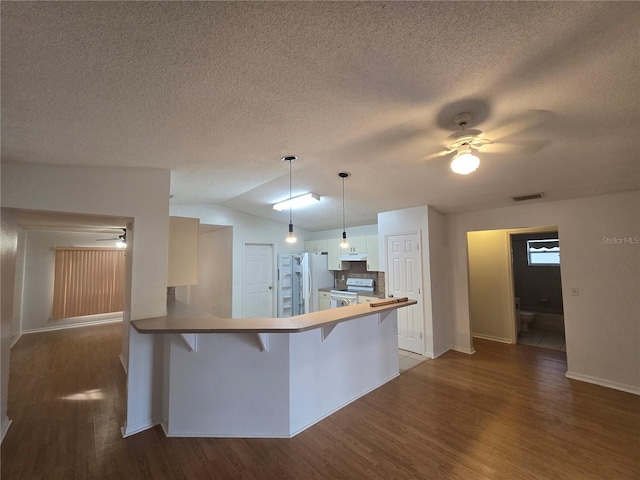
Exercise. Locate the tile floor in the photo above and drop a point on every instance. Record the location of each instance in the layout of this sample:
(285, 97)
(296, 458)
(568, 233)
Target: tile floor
(408, 360)
(537, 337)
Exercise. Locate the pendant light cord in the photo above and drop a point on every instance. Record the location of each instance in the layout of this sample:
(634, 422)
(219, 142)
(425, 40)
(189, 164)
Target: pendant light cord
(343, 221)
(290, 217)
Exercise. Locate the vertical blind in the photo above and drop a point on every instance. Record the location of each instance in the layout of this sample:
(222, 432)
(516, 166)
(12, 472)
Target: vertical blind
(87, 281)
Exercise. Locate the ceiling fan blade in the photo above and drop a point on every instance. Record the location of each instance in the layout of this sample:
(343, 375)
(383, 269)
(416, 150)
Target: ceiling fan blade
(516, 146)
(437, 155)
(527, 121)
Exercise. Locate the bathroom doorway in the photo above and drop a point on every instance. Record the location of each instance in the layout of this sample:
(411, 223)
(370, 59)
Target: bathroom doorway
(493, 309)
(537, 287)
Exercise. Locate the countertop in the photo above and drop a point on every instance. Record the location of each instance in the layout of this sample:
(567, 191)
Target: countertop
(182, 318)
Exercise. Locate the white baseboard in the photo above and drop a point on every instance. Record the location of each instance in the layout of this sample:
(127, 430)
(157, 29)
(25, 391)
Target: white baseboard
(15, 340)
(226, 435)
(124, 364)
(493, 339)
(604, 383)
(6, 423)
(128, 430)
(73, 325)
(442, 351)
(468, 351)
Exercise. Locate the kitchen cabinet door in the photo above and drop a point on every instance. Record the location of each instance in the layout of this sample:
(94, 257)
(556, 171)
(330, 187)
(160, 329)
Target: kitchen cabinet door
(357, 245)
(334, 252)
(324, 300)
(366, 299)
(315, 246)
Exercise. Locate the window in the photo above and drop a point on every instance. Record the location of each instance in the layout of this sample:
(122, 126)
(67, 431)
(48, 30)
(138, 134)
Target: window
(87, 281)
(543, 252)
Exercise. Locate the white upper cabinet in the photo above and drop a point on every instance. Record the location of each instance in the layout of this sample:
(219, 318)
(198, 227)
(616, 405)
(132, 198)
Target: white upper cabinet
(356, 245)
(334, 252)
(315, 246)
(182, 268)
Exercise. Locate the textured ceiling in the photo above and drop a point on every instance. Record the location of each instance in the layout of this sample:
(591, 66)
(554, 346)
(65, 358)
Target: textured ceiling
(218, 92)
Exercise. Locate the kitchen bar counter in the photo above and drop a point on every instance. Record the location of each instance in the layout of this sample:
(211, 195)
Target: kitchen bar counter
(265, 377)
(181, 318)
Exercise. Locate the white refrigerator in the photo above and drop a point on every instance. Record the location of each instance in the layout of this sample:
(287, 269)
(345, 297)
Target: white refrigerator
(299, 278)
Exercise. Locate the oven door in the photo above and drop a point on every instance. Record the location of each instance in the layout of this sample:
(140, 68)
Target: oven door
(342, 302)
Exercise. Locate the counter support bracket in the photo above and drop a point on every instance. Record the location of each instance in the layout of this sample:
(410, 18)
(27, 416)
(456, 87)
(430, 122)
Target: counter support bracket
(191, 339)
(382, 316)
(263, 338)
(327, 330)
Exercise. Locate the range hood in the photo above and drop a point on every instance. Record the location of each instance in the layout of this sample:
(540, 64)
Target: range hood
(353, 257)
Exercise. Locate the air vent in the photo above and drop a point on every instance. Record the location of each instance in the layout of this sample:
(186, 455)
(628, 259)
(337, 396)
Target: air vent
(527, 197)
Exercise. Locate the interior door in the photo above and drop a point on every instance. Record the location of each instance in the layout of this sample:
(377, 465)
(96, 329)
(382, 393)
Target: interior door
(258, 281)
(404, 279)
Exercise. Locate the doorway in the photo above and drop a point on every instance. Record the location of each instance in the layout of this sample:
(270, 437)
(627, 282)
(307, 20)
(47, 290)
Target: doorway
(404, 279)
(538, 289)
(258, 291)
(493, 294)
(28, 282)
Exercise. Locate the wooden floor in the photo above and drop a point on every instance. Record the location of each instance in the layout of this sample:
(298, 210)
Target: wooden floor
(507, 412)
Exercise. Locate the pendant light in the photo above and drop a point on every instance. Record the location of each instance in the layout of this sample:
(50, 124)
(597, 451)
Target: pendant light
(344, 243)
(291, 238)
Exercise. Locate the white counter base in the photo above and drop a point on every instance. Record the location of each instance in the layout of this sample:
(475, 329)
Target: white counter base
(231, 387)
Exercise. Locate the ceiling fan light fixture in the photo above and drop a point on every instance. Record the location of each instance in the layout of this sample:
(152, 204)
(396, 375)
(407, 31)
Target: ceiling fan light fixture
(464, 161)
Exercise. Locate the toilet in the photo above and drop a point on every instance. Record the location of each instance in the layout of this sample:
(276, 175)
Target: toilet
(526, 320)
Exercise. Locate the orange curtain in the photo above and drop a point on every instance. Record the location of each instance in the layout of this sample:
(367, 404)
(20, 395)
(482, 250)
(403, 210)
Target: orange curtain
(88, 281)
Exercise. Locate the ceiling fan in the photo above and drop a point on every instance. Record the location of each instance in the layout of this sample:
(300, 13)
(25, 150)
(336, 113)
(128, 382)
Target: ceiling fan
(122, 239)
(464, 142)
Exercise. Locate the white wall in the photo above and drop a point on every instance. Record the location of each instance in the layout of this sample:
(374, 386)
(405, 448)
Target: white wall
(16, 324)
(141, 194)
(8, 249)
(246, 229)
(602, 324)
(359, 231)
(407, 221)
(214, 290)
(39, 275)
(441, 280)
(490, 285)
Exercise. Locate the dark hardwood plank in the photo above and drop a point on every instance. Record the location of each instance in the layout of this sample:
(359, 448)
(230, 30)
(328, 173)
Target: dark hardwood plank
(506, 412)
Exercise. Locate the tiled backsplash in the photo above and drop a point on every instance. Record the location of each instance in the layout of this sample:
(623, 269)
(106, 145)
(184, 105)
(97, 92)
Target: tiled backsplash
(359, 270)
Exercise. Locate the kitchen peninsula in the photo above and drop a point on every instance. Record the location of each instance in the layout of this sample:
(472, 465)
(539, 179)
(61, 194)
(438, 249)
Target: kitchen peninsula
(269, 377)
